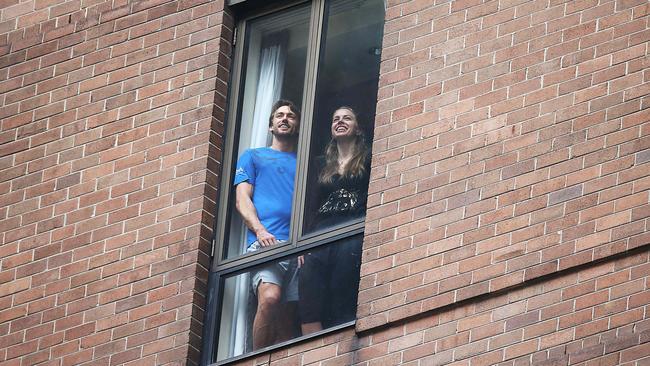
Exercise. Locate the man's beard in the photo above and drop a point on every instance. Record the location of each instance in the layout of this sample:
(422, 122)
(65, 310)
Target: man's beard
(285, 136)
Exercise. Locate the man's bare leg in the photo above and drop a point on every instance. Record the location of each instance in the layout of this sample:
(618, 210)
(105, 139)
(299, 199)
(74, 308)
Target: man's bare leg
(265, 323)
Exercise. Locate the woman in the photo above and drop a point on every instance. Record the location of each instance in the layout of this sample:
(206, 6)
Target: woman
(329, 277)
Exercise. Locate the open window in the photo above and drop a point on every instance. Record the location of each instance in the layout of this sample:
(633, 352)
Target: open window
(321, 55)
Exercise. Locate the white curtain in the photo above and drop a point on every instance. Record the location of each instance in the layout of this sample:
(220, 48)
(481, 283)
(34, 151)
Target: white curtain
(267, 92)
(269, 86)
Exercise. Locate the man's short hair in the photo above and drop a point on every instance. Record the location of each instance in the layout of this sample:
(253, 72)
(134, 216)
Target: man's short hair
(282, 103)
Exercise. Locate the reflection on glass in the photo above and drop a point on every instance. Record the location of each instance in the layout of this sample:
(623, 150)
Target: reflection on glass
(345, 100)
(342, 173)
(251, 319)
(318, 291)
(329, 283)
(274, 68)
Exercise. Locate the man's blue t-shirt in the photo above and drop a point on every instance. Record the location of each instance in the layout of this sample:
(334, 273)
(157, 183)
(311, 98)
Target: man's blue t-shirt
(272, 174)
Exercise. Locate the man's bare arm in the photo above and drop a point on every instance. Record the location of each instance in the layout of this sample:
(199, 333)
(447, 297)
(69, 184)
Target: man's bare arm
(244, 204)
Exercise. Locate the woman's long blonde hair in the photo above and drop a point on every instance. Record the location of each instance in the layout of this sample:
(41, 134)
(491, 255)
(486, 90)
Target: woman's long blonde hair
(356, 166)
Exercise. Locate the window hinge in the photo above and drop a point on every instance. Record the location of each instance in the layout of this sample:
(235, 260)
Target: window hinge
(214, 243)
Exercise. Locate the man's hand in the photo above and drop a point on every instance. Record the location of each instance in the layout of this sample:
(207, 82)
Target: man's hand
(244, 204)
(265, 238)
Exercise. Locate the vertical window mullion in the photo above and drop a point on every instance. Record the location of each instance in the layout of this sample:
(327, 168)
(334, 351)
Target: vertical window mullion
(210, 324)
(315, 35)
(229, 146)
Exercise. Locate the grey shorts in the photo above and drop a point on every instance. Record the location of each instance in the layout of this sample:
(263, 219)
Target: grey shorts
(283, 273)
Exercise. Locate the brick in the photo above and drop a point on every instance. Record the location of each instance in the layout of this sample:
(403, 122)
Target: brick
(508, 146)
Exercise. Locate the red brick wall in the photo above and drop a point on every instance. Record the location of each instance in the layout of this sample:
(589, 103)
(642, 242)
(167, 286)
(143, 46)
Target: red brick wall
(593, 316)
(510, 153)
(109, 148)
(511, 142)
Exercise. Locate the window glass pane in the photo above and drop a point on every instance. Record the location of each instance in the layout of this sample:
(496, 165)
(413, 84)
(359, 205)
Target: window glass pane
(291, 301)
(340, 148)
(273, 68)
(329, 284)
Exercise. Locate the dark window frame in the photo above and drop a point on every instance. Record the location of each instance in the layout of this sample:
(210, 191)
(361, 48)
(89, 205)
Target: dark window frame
(298, 242)
(297, 238)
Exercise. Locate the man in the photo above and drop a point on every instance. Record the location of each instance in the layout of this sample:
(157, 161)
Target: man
(264, 191)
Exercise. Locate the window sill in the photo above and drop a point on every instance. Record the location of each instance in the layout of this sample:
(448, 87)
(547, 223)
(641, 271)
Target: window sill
(291, 342)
